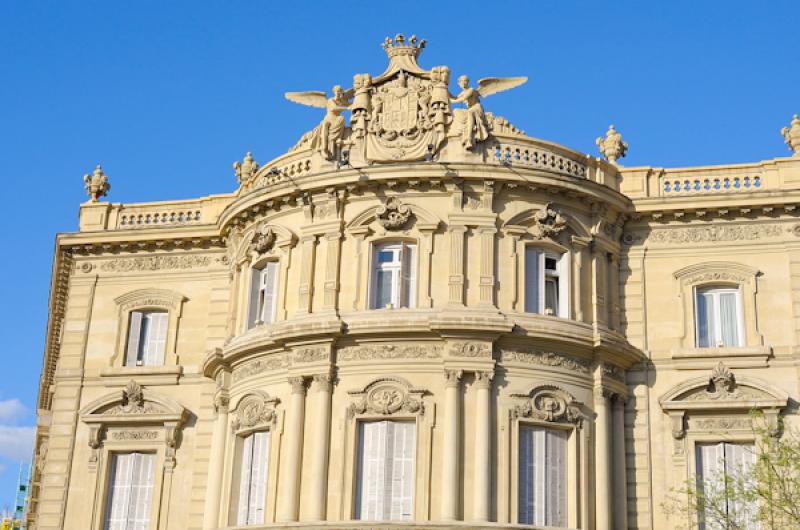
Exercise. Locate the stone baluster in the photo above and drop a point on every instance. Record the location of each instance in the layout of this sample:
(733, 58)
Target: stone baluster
(450, 448)
(289, 500)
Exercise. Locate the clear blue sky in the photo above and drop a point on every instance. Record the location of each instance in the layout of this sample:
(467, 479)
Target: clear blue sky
(167, 94)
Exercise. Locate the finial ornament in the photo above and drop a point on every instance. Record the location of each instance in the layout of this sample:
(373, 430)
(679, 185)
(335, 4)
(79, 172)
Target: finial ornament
(96, 184)
(612, 147)
(791, 135)
(246, 169)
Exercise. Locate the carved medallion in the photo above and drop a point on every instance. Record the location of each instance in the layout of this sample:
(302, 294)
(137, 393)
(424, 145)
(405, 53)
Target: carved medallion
(393, 215)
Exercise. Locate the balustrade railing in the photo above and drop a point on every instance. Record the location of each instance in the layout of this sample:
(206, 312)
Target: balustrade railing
(697, 185)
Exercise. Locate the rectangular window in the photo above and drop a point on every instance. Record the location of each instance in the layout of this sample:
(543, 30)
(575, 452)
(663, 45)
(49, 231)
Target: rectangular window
(542, 476)
(546, 282)
(718, 317)
(130, 491)
(394, 276)
(385, 475)
(147, 338)
(264, 294)
(253, 479)
(717, 465)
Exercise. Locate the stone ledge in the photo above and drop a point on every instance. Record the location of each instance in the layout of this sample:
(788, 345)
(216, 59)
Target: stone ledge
(375, 525)
(708, 358)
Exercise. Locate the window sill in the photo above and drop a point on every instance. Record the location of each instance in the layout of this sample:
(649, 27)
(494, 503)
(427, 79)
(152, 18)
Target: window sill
(707, 358)
(150, 375)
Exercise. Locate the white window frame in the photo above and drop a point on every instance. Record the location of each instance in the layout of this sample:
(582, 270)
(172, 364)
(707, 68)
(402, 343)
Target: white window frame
(403, 272)
(392, 508)
(535, 294)
(716, 341)
(121, 496)
(251, 509)
(260, 311)
(147, 337)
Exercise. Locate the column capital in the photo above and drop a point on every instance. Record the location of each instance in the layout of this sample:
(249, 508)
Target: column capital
(484, 379)
(452, 378)
(221, 403)
(298, 384)
(322, 382)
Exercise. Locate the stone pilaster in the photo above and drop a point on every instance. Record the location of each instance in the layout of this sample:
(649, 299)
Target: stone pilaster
(216, 464)
(482, 479)
(450, 447)
(602, 460)
(321, 389)
(290, 494)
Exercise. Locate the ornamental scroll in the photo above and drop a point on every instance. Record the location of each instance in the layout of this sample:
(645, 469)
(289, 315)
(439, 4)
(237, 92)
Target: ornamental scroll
(385, 397)
(549, 403)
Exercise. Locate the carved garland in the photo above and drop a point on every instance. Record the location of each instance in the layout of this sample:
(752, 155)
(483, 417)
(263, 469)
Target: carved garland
(387, 396)
(471, 349)
(545, 358)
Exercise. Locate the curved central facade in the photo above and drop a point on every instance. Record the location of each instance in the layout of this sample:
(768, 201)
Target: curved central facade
(415, 318)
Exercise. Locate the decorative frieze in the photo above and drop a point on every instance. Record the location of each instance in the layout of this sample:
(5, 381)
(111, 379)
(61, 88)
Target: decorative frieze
(714, 233)
(545, 358)
(273, 362)
(154, 263)
(722, 424)
(471, 349)
(389, 351)
(310, 355)
(126, 436)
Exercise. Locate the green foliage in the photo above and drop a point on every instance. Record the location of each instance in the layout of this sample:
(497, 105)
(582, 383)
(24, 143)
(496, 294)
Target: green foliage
(766, 496)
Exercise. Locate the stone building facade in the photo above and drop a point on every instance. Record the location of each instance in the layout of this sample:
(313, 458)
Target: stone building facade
(417, 317)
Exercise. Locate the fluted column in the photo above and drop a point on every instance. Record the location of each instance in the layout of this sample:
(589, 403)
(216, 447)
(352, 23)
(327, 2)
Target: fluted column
(450, 451)
(287, 510)
(319, 457)
(602, 460)
(456, 279)
(620, 471)
(215, 464)
(482, 481)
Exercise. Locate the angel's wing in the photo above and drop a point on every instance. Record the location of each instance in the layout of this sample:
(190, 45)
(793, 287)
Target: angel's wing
(311, 98)
(492, 85)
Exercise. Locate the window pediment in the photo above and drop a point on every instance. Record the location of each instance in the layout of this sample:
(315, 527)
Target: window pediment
(395, 215)
(134, 405)
(387, 396)
(716, 272)
(150, 298)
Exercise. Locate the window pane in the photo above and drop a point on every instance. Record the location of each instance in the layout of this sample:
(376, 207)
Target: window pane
(551, 296)
(542, 493)
(532, 280)
(550, 264)
(387, 256)
(383, 288)
(705, 320)
(253, 478)
(729, 318)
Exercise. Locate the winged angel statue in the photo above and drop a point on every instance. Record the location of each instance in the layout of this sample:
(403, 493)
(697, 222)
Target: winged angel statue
(325, 137)
(476, 127)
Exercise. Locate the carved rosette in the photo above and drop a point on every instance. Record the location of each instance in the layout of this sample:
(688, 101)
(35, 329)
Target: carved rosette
(548, 223)
(385, 397)
(393, 215)
(549, 403)
(254, 412)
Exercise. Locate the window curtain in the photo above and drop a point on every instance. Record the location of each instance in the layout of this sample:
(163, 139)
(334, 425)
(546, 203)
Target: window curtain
(385, 487)
(130, 492)
(542, 498)
(729, 319)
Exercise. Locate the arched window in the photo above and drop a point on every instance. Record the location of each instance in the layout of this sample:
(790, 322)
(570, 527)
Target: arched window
(394, 275)
(546, 281)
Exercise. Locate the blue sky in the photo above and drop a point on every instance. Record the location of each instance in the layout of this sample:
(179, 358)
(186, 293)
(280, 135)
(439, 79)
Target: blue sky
(167, 94)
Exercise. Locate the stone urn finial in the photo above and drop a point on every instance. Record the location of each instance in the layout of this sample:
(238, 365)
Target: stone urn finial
(97, 185)
(791, 135)
(612, 147)
(245, 169)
